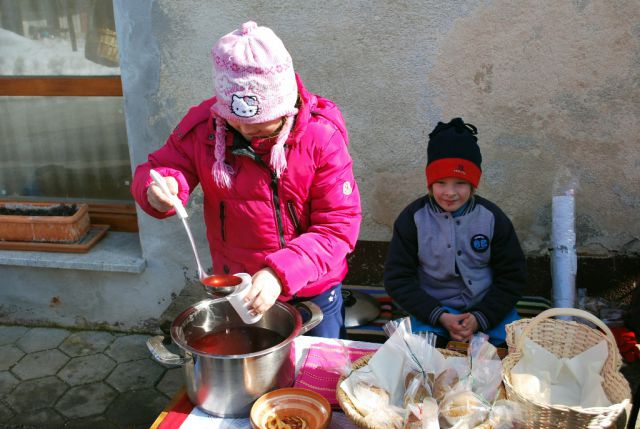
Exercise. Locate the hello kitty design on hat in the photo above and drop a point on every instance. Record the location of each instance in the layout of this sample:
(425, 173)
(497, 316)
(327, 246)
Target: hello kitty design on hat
(244, 107)
(254, 82)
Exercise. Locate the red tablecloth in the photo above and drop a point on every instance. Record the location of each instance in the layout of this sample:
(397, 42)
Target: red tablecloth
(311, 352)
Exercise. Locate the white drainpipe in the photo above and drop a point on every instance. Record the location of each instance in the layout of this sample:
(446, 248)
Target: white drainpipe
(564, 263)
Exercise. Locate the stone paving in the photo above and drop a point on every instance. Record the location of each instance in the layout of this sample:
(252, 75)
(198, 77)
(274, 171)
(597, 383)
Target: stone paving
(58, 378)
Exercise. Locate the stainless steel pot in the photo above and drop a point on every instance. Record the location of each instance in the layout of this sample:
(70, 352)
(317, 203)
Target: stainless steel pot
(227, 385)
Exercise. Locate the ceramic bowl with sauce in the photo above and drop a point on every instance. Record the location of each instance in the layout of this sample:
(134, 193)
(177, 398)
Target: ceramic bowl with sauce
(289, 405)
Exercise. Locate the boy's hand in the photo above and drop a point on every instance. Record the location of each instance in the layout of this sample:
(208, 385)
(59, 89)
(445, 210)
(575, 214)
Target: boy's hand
(157, 197)
(470, 326)
(461, 327)
(265, 289)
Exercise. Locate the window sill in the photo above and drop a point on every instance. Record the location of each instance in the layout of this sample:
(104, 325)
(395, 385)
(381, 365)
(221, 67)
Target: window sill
(116, 252)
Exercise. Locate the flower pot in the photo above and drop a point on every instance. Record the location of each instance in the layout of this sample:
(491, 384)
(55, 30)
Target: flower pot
(43, 222)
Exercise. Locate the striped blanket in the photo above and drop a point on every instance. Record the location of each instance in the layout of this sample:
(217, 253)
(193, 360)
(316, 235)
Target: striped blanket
(528, 306)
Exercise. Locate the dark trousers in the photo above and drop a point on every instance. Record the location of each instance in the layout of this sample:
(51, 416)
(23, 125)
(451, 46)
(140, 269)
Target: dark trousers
(332, 306)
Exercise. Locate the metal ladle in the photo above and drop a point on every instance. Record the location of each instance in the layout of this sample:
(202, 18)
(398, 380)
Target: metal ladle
(216, 284)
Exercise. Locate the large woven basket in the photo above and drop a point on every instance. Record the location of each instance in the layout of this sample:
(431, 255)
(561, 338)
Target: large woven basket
(347, 406)
(566, 339)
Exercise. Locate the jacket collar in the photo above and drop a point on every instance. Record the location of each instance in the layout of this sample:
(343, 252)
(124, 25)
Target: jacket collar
(466, 209)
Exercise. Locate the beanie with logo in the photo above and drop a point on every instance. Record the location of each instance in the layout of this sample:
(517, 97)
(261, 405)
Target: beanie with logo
(453, 151)
(254, 82)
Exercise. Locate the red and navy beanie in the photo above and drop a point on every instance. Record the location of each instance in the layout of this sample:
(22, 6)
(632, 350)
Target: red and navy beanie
(453, 151)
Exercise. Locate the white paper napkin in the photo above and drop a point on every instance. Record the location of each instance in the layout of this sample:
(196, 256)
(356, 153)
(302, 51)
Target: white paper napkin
(545, 378)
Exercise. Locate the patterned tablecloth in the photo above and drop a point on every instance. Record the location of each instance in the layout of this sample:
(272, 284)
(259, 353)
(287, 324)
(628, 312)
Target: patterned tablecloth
(181, 414)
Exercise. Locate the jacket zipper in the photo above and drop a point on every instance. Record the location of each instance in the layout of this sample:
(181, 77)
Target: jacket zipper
(222, 220)
(276, 203)
(294, 218)
(248, 151)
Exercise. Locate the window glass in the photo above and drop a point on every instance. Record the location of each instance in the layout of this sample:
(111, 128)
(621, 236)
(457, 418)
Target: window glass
(62, 147)
(57, 37)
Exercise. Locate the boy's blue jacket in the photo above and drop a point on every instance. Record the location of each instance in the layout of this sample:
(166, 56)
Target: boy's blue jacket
(473, 262)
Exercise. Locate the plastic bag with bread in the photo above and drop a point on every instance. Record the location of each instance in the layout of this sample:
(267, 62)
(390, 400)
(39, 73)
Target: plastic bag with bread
(368, 396)
(463, 408)
(504, 415)
(417, 388)
(422, 363)
(423, 415)
(486, 367)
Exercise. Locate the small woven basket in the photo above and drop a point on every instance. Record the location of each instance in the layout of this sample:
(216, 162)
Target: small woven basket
(566, 339)
(347, 406)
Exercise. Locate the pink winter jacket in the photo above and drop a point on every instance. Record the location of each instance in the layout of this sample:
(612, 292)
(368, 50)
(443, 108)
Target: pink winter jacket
(302, 225)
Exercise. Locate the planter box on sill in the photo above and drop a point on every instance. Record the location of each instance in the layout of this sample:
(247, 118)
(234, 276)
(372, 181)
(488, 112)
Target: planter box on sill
(43, 222)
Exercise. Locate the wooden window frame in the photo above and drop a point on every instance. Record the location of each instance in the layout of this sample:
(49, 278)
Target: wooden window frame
(121, 217)
(61, 86)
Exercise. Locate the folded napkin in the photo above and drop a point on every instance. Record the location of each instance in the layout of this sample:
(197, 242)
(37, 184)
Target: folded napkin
(543, 377)
(324, 365)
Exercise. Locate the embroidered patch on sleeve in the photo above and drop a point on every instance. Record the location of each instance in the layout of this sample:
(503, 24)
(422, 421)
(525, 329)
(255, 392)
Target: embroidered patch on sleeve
(346, 188)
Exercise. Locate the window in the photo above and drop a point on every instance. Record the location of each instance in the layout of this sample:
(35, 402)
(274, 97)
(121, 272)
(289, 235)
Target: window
(62, 127)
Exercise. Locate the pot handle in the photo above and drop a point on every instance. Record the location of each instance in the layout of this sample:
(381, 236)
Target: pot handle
(316, 315)
(161, 354)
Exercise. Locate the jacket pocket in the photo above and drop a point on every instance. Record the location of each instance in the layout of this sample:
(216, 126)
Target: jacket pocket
(294, 218)
(222, 220)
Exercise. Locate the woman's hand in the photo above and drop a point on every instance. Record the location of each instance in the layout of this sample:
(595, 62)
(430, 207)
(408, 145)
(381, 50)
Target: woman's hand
(265, 289)
(157, 197)
(461, 327)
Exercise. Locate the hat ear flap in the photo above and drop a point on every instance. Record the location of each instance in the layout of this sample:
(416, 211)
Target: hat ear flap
(278, 155)
(220, 170)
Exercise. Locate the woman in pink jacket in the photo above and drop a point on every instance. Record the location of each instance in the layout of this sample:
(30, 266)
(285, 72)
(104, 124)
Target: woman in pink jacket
(280, 199)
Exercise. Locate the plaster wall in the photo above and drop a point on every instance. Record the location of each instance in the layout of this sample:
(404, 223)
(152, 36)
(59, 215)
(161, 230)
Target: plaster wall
(553, 88)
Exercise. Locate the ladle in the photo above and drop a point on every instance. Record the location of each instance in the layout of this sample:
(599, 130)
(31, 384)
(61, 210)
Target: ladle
(216, 284)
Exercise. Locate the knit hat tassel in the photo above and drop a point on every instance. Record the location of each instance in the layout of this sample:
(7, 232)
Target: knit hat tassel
(221, 171)
(278, 156)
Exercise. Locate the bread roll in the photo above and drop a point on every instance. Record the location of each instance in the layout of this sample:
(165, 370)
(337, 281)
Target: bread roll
(463, 406)
(416, 388)
(369, 397)
(444, 383)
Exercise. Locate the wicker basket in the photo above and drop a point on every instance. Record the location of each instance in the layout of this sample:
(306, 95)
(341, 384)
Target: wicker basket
(347, 406)
(566, 339)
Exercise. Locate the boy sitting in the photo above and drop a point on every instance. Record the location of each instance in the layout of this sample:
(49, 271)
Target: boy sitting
(454, 262)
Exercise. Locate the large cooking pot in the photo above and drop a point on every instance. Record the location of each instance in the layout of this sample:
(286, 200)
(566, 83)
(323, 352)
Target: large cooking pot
(229, 364)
